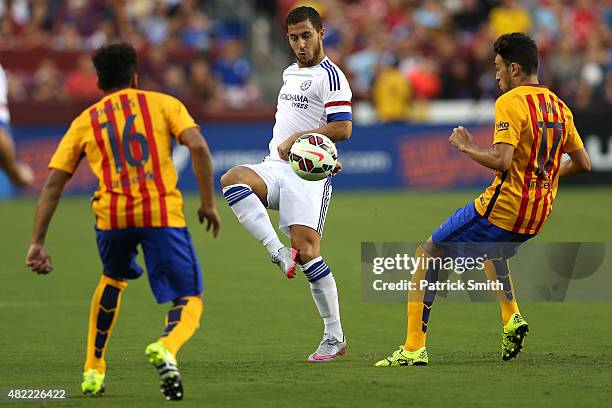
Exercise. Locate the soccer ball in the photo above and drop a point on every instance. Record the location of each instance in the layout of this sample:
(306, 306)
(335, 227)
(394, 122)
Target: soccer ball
(313, 156)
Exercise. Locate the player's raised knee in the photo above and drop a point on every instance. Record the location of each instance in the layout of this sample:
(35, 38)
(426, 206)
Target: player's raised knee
(232, 176)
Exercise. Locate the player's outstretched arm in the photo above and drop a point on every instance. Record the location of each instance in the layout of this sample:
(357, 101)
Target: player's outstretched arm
(38, 259)
(579, 162)
(19, 173)
(203, 169)
(336, 131)
(497, 157)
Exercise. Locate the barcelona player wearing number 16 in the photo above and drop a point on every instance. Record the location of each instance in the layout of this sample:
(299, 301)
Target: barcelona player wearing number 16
(533, 128)
(126, 138)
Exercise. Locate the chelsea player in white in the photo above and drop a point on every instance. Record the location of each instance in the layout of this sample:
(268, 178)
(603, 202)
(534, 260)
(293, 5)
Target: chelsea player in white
(18, 172)
(315, 97)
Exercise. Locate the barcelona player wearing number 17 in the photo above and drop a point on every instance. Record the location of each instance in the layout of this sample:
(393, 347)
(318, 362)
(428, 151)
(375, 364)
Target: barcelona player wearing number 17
(126, 138)
(533, 128)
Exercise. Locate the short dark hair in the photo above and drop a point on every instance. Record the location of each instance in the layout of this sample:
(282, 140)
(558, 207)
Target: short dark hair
(303, 13)
(115, 65)
(519, 48)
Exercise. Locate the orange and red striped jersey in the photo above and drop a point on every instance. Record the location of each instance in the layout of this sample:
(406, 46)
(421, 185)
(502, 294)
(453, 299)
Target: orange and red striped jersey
(127, 140)
(541, 128)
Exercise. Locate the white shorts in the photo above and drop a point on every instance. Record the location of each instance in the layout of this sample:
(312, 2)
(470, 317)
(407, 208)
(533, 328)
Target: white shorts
(298, 201)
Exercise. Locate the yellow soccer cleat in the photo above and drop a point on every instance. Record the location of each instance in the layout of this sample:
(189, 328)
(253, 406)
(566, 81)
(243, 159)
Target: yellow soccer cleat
(402, 357)
(513, 335)
(93, 383)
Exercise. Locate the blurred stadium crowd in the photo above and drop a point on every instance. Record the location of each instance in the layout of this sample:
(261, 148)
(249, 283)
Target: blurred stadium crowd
(230, 53)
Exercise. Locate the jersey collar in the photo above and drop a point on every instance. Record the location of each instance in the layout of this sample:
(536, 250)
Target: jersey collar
(536, 85)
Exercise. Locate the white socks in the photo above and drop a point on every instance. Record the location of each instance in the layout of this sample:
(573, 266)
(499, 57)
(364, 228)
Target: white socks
(325, 295)
(252, 215)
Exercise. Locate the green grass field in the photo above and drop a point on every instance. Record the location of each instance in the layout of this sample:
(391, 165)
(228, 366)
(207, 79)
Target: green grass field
(258, 328)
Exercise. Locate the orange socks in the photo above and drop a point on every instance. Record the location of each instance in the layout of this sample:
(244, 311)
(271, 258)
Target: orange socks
(103, 314)
(181, 322)
(421, 301)
(500, 271)
(419, 304)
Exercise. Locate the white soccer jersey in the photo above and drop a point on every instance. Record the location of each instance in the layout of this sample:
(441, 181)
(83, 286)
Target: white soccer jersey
(4, 112)
(309, 98)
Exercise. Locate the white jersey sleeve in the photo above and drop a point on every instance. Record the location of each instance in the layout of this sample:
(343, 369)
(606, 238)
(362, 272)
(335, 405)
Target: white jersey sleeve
(336, 93)
(4, 112)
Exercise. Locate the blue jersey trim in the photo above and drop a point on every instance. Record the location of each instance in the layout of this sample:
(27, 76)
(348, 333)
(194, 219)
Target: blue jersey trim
(495, 195)
(332, 74)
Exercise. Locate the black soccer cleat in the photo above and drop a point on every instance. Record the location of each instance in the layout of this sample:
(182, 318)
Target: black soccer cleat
(172, 387)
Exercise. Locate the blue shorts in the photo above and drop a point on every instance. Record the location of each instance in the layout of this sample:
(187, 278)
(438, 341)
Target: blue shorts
(172, 263)
(467, 226)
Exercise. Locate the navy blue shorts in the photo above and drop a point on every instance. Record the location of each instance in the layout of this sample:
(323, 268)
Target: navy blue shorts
(467, 226)
(172, 263)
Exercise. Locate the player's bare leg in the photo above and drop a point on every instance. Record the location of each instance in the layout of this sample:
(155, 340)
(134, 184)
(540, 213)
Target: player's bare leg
(244, 175)
(324, 292)
(247, 195)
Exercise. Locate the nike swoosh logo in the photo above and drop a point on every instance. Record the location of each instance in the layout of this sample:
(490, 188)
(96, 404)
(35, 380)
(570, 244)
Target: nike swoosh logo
(319, 155)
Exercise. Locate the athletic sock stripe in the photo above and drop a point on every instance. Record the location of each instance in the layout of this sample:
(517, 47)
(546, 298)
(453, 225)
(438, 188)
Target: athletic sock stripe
(314, 266)
(323, 274)
(233, 194)
(236, 194)
(174, 315)
(240, 197)
(169, 328)
(319, 273)
(315, 271)
(234, 189)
